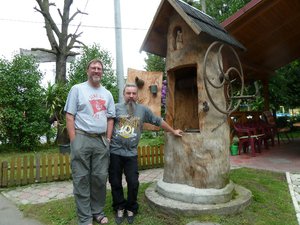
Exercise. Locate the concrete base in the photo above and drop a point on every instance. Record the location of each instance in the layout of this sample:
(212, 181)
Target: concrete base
(242, 198)
(185, 193)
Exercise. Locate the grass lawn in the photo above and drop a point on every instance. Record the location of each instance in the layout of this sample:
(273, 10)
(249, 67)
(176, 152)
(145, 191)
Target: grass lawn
(7, 154)
(271, 205)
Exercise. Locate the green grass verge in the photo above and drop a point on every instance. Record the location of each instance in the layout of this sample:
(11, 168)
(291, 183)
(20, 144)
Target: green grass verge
(271, 205)
(7, 154)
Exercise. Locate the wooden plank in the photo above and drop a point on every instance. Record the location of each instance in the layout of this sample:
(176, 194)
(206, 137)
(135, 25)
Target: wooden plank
(44, 169)
(19, 170)
(55, 167)
(149, 164)
(61, 167)
(67, 166)
(31, 170)
(161, 156)
(139, 156)
(25, 170)
(38, 168)
(144, 157)
(155, 156)
(4, 179)
(49, 164)
(12, 172)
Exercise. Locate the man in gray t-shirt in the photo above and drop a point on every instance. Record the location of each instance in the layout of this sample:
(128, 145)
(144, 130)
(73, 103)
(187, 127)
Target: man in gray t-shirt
(128, 125)
(90, 110)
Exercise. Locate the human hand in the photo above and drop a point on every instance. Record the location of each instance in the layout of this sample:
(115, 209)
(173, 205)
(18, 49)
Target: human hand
(178, 133)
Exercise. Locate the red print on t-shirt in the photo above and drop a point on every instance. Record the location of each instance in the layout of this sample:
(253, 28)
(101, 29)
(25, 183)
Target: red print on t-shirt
(98, 105)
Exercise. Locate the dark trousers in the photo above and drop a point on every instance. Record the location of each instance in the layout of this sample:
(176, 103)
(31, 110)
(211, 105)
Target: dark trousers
(128, 165)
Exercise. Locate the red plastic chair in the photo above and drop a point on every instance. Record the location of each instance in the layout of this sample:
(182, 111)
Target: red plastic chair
(248, 138)
(262, 131)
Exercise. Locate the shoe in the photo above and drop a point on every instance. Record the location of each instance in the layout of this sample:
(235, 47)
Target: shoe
(119, 216)
(102, 219)
(130, 217)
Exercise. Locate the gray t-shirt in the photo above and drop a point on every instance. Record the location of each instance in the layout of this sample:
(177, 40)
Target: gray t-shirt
(91, 107)
(127, 129)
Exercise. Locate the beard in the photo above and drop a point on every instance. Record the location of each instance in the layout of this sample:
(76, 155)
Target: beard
(130, 106)
(96, 79)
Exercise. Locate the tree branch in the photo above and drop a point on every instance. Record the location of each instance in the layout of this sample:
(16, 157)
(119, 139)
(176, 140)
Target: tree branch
(44, 50)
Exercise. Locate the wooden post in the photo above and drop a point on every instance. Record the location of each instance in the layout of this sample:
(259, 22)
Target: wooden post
(12, 172)
(4, 172)
(61, 167)
(56, 167)
(25, 171)
(19, 168)
(44, 169)
(37, 168)
(50, 173)
(31, 170)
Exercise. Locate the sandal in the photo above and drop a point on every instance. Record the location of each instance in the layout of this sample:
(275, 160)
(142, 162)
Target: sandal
(102, 219)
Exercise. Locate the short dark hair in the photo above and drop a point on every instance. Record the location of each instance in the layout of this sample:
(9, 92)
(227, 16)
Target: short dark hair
(129, 85)
(94, 61)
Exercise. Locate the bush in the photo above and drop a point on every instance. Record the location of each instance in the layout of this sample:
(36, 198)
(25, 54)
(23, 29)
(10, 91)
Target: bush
(23, 117)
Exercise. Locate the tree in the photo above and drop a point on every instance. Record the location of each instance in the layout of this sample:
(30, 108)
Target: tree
(285, 88)
(77, 73)
(219, 9)
(56, 94)
(157, 63)
(55, 97)
(23, 117)
(60, 40)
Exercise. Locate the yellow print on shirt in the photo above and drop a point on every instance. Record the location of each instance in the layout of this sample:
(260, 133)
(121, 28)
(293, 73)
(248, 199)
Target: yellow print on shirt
(128, 126)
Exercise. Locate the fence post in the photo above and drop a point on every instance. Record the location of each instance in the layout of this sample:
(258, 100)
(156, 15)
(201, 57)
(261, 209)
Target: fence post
(37, 168)
(25, 171)
(144, 157)
(139, 156)
(4, 172)
(11, 179)
(19, 167)
(161, 156)
(61, 167)
(50, 173)
(67, 165)
(148, 157)
(155, 156)
(31, 170)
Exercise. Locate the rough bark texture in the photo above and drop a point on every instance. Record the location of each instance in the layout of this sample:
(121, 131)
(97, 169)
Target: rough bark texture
(61, 41)
(200, 158)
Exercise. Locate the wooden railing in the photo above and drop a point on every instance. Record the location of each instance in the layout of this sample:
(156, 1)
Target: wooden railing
(56, 167)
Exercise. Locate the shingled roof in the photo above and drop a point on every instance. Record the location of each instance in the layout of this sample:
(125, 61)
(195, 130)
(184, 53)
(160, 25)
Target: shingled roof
(155, 41)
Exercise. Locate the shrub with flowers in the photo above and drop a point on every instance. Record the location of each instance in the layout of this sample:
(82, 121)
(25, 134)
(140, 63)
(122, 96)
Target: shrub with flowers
(163, 98)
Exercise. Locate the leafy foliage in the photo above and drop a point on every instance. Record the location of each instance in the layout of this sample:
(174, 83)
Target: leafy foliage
(56, 94)
(221, 9)
(78, 68)
(23, 117)
(157, 63)
(285, 87)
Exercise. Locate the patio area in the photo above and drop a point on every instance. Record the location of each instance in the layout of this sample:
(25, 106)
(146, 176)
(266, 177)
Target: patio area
(284, 158)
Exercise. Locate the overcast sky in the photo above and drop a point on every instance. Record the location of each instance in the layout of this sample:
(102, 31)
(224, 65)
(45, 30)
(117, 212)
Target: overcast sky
(22, 27)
